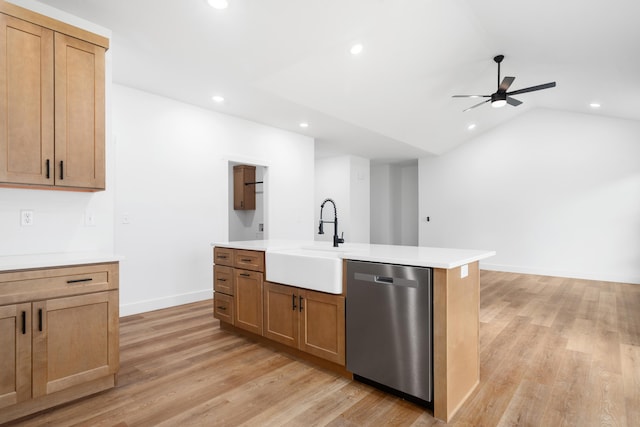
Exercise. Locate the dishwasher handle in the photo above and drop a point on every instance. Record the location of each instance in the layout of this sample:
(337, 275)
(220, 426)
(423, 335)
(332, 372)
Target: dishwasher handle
(385, 280)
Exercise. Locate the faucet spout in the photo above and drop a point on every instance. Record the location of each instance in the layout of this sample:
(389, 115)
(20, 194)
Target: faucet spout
(336, 239)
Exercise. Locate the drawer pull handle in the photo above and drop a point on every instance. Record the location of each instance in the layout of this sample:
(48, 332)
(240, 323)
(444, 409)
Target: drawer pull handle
(222, 280)
(222, 256)
(246, 260)
(40, 320)
(245, 274)
(221, 307)
(293, 302)
(24, 323)
(300, 303)
(79, 280)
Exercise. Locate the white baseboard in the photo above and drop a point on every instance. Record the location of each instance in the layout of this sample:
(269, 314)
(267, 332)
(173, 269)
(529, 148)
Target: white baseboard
(561, 273)
(164, 302)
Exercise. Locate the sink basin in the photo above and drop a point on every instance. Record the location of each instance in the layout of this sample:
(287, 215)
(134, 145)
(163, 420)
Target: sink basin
(317, 270)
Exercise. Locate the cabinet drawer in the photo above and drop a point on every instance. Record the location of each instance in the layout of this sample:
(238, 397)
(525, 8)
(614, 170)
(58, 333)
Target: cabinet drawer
(223, 279)
(223, 256)
(249, 260)
(30, 285)
(223, 307)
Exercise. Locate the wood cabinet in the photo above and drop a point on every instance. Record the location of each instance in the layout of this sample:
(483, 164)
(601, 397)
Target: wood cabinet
(15, 344)
(311, 321)
(237, 283)
(58, 336)
(248, 300)
(52, 103)
(244, 188)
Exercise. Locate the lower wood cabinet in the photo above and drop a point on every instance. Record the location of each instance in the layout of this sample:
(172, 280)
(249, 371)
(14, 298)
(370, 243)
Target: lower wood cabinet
(248, 300)
(58, 336)
(311, 321)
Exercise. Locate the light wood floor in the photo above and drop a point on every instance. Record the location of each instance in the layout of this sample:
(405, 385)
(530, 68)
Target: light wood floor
(554, 352)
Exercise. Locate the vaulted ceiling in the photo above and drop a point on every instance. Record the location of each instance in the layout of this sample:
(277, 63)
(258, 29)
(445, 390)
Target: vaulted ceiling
(283, 62)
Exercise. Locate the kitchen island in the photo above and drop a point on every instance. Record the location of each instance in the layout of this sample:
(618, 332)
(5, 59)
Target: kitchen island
(456, 302)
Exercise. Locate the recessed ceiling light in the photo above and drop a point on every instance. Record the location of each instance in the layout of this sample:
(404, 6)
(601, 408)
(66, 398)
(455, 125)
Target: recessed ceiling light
(472, 126)
(217, 98)
(304, 125)
(218, 4)
(594, 105)
(356, 49)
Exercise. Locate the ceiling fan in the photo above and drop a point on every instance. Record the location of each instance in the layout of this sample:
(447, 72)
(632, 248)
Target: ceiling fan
(501, 97)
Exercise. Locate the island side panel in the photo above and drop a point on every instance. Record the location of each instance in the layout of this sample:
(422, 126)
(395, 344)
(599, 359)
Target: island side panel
(456, 324)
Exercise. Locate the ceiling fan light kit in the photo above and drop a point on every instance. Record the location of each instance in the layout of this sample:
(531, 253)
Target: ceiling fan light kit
(501, 97)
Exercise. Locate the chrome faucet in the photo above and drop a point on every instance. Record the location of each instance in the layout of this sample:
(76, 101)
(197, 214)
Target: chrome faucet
(336, 239)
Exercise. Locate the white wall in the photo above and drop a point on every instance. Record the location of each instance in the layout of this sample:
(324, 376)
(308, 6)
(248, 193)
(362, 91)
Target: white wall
(553, 193)
(59, 216)
(346, 180)
(172, 187)
(394, 204)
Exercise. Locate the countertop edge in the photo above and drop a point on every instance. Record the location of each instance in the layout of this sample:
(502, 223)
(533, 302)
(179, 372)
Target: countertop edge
(356, 255)
(35, 261)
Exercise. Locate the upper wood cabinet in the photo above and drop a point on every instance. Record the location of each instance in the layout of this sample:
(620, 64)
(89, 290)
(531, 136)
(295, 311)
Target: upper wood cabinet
(79, 113)
(244, 187)
(52, 103)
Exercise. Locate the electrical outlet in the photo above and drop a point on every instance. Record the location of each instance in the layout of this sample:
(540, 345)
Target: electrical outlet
(464, 271)
(26, 217)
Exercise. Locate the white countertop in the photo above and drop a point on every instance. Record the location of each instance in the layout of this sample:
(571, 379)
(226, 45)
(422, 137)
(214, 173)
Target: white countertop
(404, 255)
(24, 262)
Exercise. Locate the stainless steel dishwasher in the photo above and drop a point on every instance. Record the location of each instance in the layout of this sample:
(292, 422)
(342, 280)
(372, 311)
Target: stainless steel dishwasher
(389, 327)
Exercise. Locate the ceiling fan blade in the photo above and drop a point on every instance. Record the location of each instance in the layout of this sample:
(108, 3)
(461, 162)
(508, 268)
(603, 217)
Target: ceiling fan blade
(471, 96)
(513, 101)
(533, 88)
(477, 105)
(506, 83)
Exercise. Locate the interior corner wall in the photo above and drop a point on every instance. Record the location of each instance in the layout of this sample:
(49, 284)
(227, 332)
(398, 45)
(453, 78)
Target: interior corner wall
(554, 193)
(360, 183)
(172, 164)
(59, 216)
(345, 179)
(394, 204)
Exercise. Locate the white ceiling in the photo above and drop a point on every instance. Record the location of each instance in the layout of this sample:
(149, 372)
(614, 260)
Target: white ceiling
(281, 62)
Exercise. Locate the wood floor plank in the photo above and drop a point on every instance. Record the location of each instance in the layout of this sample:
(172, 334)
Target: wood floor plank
(553, 352)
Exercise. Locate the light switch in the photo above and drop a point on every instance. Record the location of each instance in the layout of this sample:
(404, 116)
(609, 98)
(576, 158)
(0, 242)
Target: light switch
(89, 219)
(464, 271)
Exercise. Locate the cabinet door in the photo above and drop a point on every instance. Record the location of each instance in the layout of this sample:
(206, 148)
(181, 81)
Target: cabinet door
(248, 300)
(281, 314)
(15, 354)
(322, 325)
(79, 113)
(26, 102)
(75, 340)
(244, 196)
